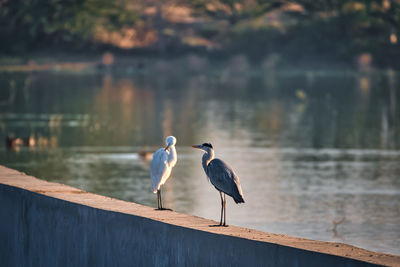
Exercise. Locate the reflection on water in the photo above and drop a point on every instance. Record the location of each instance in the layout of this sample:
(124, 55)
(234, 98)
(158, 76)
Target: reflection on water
(310, 147)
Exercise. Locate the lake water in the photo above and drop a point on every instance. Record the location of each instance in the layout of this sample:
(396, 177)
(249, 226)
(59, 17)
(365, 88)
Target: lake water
(309, 147)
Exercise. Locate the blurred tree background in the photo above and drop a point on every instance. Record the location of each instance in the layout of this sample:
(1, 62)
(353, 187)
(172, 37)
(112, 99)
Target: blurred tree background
(266, 32)
(37, 24)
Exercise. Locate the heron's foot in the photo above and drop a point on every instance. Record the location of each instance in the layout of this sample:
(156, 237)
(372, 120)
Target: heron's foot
(218, 225)
(163, 209)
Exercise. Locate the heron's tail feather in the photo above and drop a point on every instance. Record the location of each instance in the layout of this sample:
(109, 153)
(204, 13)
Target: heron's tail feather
(238, 199)
(238, 194)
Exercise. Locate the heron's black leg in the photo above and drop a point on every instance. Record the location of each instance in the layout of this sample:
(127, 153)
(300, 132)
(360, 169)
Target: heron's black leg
(222, 208)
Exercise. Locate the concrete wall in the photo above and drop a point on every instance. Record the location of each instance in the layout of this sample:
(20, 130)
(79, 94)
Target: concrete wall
(38, 230)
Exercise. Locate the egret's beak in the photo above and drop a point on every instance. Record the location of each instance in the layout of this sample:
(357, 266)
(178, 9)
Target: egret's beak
(197, 146)
(166, 147)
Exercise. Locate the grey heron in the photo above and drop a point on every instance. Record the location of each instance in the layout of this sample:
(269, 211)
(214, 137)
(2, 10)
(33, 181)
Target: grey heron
(164, 159)
(222, 177)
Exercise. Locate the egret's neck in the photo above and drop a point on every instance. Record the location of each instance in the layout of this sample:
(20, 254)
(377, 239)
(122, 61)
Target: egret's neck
(207, 157)
(172, 157)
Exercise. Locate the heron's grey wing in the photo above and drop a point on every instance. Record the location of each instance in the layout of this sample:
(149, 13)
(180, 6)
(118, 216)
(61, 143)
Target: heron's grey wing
(158, 167)
(225, 179)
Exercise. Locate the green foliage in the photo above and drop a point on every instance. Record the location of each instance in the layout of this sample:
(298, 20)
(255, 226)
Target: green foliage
(258, 41)
(328, 30)
(27, 23)
(324, 29)
(210, 31)
(231, 3)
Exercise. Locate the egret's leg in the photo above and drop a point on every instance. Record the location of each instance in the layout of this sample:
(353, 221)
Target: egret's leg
(160, 200)
(160, 206)
(222, 208)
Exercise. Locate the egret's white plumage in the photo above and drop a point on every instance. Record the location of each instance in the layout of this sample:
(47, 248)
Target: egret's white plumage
(161, 166)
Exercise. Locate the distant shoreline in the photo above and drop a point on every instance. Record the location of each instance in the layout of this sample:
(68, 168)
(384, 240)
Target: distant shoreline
(190, 62)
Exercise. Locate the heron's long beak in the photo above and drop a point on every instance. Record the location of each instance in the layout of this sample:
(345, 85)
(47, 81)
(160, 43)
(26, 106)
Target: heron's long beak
(197, 146)
(166, 147)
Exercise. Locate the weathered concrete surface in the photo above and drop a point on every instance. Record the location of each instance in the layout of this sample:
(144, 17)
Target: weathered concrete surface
(49, 224)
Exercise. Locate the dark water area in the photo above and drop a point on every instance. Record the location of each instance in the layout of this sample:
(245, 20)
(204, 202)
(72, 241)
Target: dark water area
(310, 147)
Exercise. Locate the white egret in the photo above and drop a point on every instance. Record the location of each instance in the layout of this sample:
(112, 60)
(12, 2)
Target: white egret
(222, 177)
(161, 166)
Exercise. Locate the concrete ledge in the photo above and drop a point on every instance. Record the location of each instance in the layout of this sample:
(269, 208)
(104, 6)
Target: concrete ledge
(50, 224)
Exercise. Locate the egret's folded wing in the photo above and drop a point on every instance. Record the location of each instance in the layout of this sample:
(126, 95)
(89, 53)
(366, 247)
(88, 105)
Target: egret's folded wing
(158, 167)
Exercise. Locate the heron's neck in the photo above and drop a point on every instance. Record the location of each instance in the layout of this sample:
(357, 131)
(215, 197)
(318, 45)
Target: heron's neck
(172, 158)
(207, 157)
